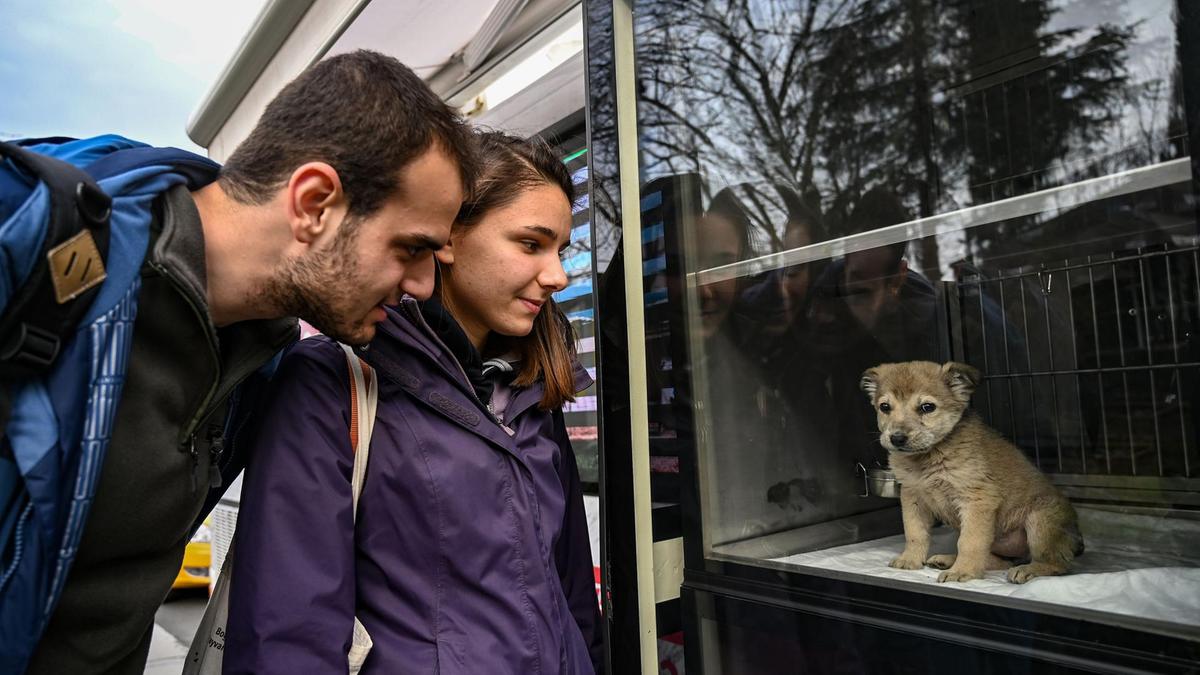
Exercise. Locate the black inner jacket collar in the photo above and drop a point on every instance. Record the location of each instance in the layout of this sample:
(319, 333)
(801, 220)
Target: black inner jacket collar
(455, 338)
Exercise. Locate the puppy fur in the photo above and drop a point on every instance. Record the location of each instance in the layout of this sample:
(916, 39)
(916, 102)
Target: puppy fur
(955, 469)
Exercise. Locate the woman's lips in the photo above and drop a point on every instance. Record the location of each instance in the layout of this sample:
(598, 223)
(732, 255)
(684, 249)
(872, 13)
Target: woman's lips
(532, 305)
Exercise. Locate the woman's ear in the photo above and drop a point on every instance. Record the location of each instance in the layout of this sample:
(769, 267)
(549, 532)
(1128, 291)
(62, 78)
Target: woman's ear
(445, 254)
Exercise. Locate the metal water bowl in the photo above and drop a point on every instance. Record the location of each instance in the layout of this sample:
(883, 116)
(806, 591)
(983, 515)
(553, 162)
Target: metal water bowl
(878, 482)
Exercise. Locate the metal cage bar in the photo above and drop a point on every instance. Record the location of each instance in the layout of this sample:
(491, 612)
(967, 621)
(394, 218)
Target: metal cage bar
(1150, 360)
(1178, 375)
(1012, 410)
(1124, 373)
(1046, 285)
(1099, 364)
(1140, 360)
(1078, 377)
(1037, 449)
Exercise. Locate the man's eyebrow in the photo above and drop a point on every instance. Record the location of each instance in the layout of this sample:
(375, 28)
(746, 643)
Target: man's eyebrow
(420, 240)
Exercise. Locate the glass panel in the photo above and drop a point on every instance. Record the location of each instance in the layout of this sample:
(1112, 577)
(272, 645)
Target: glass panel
(578, 302)
(1001, 184)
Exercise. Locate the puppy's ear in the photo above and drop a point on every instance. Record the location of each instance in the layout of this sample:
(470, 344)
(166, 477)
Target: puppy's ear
(961, 378)
(870, 382)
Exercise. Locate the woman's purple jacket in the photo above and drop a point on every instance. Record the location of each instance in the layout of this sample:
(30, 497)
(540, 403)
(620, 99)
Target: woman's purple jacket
(471, 553)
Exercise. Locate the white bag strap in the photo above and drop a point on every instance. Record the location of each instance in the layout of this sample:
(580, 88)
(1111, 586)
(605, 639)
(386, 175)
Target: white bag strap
(364, 399)
(206, 655)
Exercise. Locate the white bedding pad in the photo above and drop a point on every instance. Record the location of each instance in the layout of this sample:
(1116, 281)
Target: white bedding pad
(1136, 565)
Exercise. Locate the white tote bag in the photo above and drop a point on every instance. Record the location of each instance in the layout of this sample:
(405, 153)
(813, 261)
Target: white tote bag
(208, 646)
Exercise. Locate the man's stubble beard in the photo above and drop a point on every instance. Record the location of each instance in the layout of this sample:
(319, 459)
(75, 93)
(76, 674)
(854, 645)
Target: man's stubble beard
(316, 288)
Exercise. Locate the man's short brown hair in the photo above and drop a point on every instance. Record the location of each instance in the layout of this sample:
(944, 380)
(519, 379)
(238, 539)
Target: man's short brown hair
(365, 114)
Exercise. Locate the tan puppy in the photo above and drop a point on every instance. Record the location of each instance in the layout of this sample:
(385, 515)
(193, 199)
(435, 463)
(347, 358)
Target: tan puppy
(954, 468)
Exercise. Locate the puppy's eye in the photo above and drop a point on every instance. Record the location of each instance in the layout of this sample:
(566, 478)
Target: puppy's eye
(885, 408)
(927, 408)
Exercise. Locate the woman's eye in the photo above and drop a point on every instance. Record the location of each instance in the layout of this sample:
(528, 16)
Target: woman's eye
(927, 408)
(414, 251)
(885, 408)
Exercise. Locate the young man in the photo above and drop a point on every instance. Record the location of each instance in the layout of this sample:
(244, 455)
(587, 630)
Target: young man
(329, 210)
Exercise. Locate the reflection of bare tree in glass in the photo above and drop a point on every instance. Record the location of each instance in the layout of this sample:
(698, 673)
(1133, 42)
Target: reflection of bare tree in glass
(735, 87)
(1039, 108)
(602, 136)
(925, 97)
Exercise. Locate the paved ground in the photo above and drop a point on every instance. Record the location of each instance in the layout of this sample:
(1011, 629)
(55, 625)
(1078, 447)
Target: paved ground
(174, 625)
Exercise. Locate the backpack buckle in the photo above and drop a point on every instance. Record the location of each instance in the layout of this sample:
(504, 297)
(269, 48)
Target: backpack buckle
(32, 347)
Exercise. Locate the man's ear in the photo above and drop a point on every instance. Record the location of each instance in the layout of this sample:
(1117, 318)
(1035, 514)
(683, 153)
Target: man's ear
(870, 382)
(961, 378)
(896, 282)
(315, 201)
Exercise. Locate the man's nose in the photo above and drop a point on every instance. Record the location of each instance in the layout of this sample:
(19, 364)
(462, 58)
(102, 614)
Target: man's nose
(418, 277)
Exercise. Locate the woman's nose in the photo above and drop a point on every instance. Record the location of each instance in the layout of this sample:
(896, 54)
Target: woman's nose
(554, 276)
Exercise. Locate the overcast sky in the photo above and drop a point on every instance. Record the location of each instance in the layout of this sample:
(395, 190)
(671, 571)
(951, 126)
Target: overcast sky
(137, 68)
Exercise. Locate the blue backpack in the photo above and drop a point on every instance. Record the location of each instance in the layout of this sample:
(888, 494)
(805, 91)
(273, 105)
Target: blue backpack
(75, 220)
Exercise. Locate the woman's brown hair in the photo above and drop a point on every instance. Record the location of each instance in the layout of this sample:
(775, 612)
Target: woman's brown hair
(507, 167)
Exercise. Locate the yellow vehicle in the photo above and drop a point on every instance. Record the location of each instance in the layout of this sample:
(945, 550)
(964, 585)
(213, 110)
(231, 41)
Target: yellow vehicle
(197, 558)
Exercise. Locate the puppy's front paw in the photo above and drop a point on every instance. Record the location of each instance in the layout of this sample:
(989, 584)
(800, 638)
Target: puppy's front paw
(942, 561)
(905, 562)
(1022, 573)
(959, 574)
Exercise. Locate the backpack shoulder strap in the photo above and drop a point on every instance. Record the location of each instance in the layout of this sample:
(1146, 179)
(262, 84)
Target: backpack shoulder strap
(52, 300)
(364, 398)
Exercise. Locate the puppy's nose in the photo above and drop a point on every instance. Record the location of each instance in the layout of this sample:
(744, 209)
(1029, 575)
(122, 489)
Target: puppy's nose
(899, 439)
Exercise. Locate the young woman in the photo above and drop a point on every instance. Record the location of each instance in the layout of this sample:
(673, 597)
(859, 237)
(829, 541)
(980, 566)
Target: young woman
(471, 552)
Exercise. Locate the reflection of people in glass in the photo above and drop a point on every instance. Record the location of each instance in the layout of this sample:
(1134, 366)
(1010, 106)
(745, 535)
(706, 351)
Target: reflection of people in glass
(869, 306)
(722, 238)
(872, 281)
(748, 419)
(734, 420)
(778, 302)
(866, 308)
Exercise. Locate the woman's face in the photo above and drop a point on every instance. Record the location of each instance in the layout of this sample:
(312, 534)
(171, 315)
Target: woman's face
(718, 245)
(499, 272)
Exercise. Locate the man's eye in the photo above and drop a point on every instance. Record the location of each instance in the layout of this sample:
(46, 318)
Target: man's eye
(885, 408)
(529, 245)
(415, 251)
(927, 408)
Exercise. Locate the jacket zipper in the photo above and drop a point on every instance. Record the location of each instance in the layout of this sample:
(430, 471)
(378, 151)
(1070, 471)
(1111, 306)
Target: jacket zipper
(189, 430)
(409, 307)
(215, 436)
(216, 445)
(187, 439)
(415, 312)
